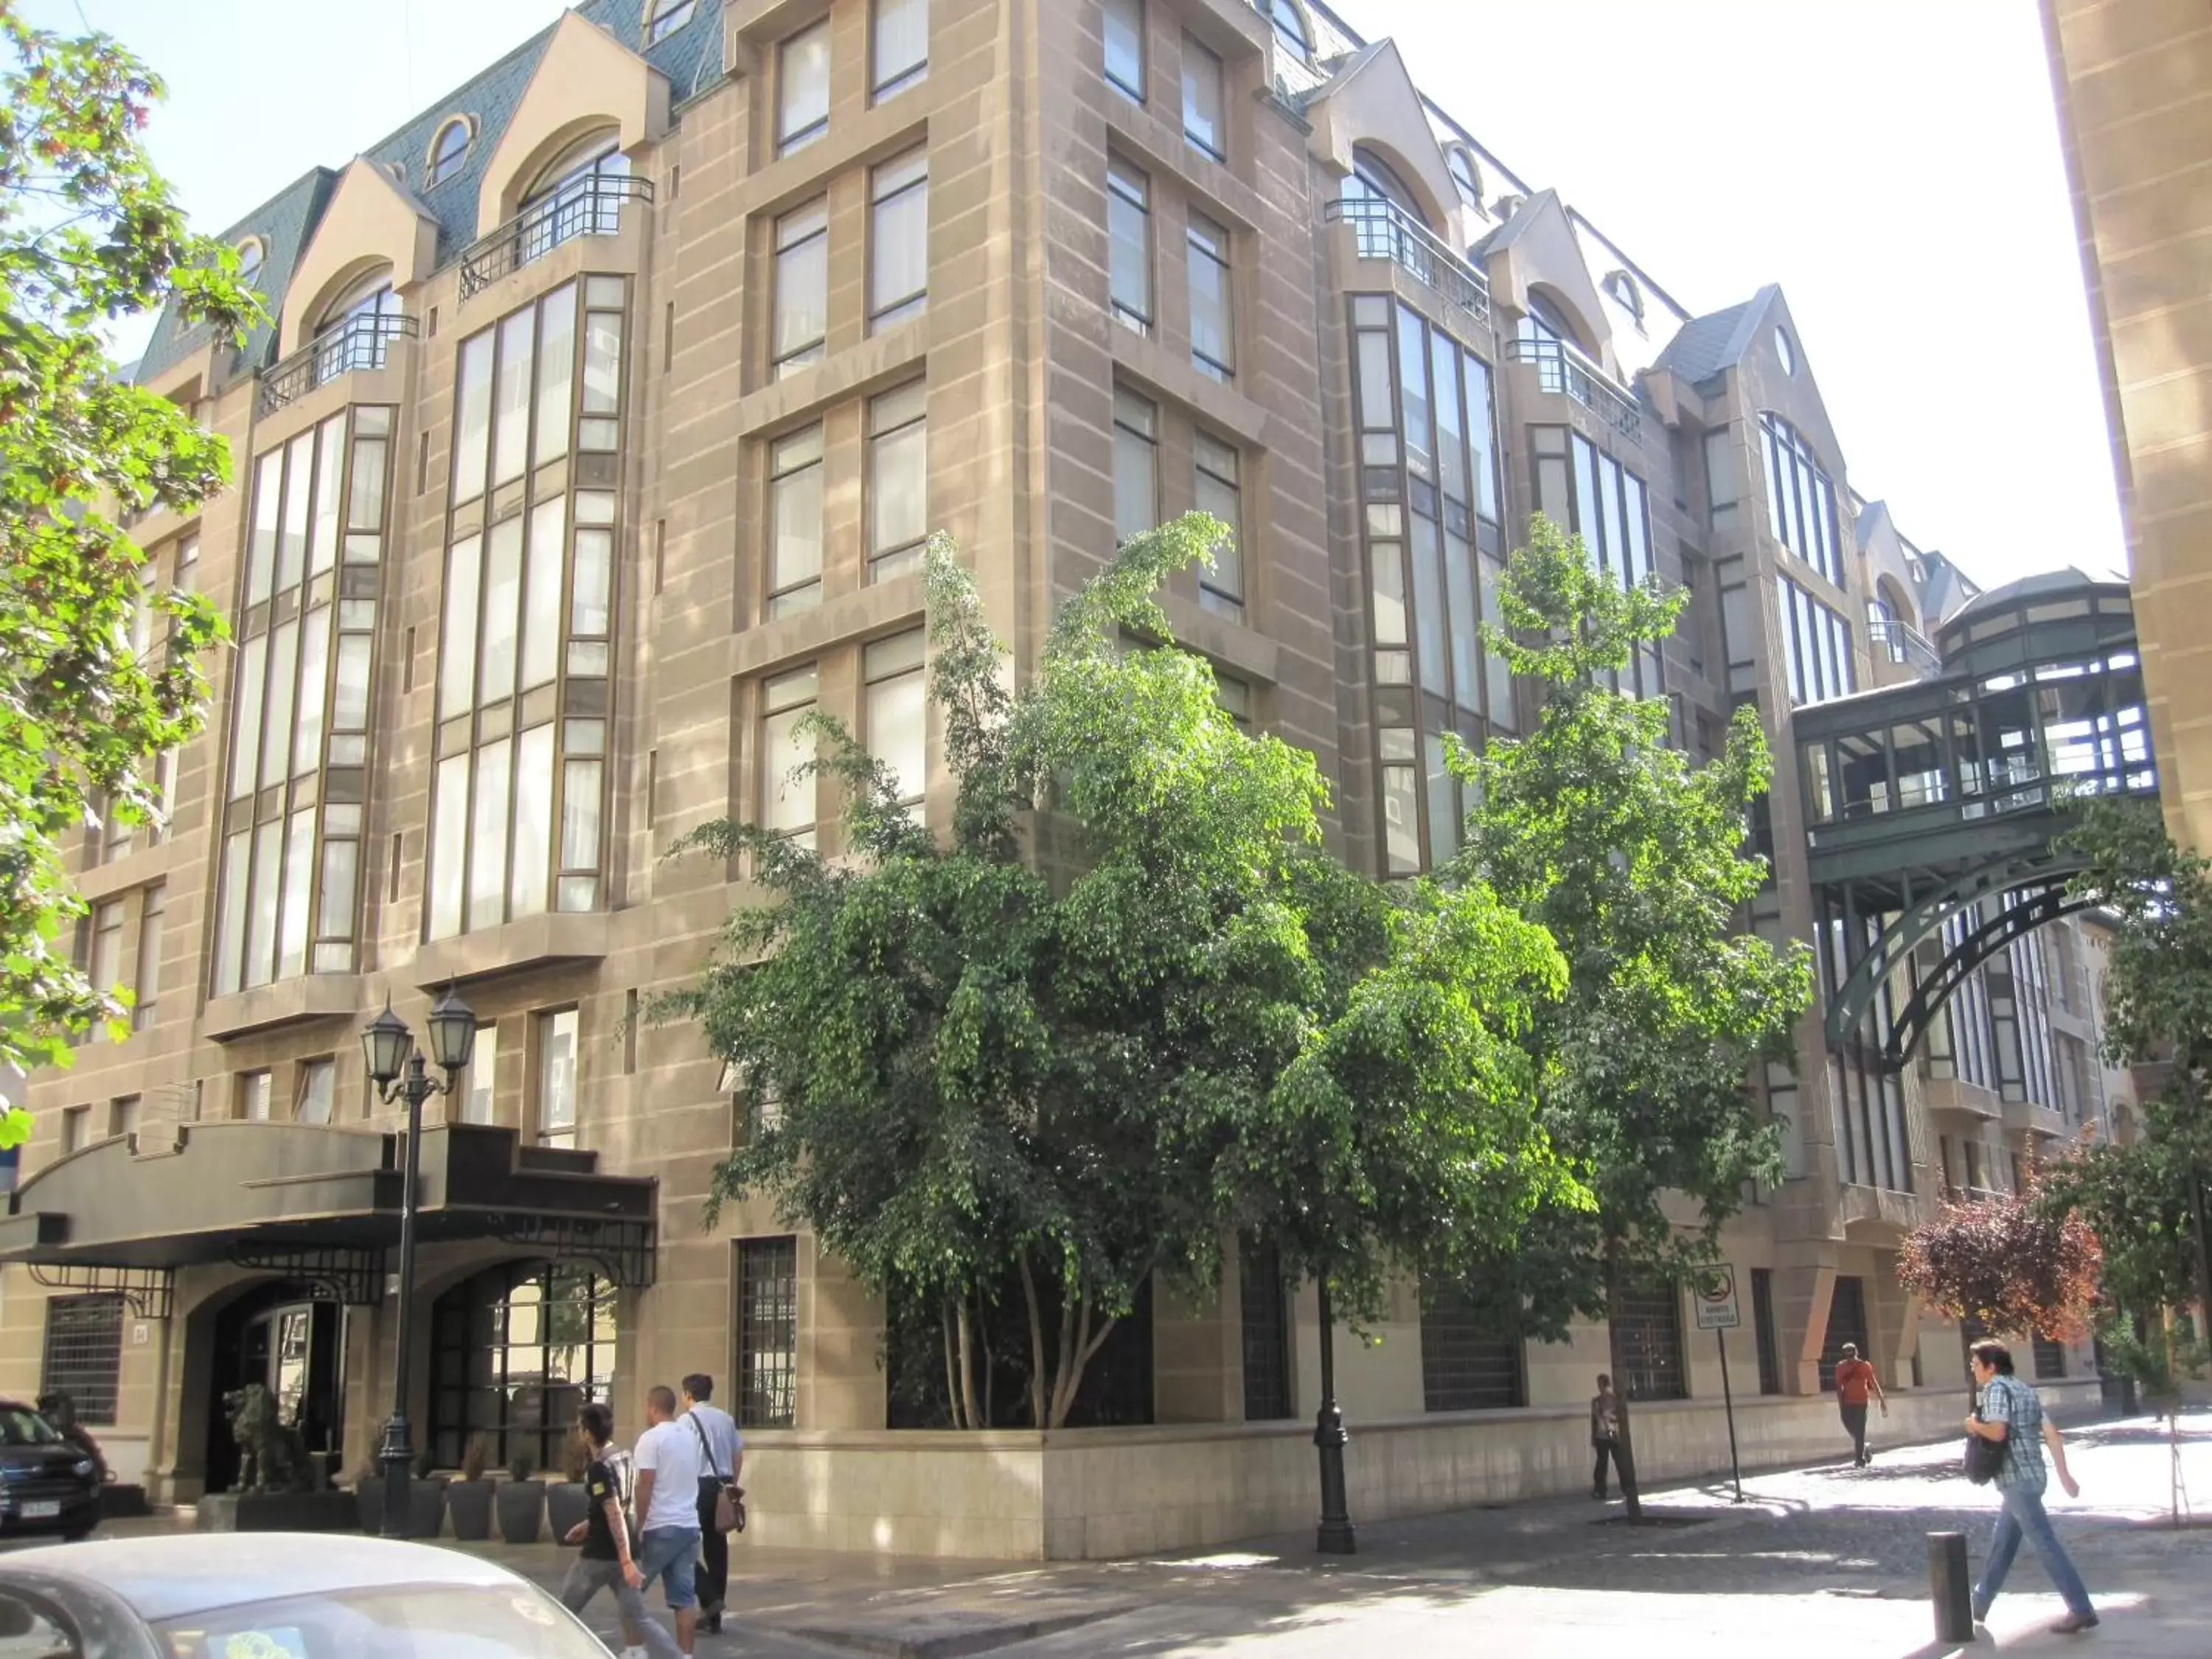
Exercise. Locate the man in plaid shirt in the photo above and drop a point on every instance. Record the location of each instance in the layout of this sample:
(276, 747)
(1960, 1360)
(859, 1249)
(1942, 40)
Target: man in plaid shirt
(2008, 1410)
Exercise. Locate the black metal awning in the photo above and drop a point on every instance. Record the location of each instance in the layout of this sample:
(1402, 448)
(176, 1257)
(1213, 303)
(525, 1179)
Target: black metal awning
(316, 1203)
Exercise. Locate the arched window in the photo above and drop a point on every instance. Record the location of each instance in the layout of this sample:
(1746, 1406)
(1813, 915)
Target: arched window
(449, 149)
(1290, 21)
(1465, 177)
(1785, 350)
(578, 193)
(514, 1353)
(592, 156)
(1544, 320)
(664, 17)
(1626, 294)
(1372, 181)
(250, 254)
(350, 331)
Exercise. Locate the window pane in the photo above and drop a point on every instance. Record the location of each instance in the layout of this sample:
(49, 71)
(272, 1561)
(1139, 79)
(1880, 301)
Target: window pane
(484, 1074)
(541, 634)
(896, 723)
(786, 803)
(1459, 588)
(283, 681)
(556, 370)
(1428, 614)
(902, 43)
(510, 414)
(1413, 365)
(246, 739)
(1389, 560)
(1136, 482)
(319, 1081)
(472, 424)
(1401, 811)
(557, 1074)
(268, 506)
(795, 517)
(533, 823)
(456, 640)
(803, 105)
(502, 602)
(488, 834)
(1202, 99)
(1497, 700)
(314, 686)
(1212, 319)
(298, 886)
(898, 480)
(579, 815)
(291, 532)
(1218, 495)
(349, 708)
(449, 846)
(230, 920)
(1129, 230)
(330, 467)
(334, 911)
(1377, 401)
(593, 599)
(261, 937)
(1443, 801)
(1125, 46)
(898, 275)
(802, 285)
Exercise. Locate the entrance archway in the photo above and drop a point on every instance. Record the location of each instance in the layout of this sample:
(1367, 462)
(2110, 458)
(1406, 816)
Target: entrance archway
(281, 1335)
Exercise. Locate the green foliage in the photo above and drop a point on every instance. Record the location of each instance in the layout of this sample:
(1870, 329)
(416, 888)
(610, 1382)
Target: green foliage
(1191, 1022)
(1632, 859)
(89, 232)
(2008, 1260)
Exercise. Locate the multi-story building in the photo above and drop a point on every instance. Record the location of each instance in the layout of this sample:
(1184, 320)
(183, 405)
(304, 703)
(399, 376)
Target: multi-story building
(602, 414)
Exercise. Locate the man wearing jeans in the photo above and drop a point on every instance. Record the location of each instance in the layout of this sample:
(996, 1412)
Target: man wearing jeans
(604, 1563)
(2008, 1410)
(668, 1470)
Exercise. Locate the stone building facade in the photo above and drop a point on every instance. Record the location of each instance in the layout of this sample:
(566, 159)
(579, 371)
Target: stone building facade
(600, 416)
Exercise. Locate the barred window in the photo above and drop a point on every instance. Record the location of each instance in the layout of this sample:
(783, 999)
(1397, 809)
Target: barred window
(1265, 1300)
(84, 1353)
(2050, 1358)
(1647, 1341)
(1470, 1360)
(1762, 1328)
(768, 1332)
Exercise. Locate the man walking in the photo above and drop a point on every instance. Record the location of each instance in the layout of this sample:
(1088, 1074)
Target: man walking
(605, 1562)
(2008, 1410)
(722, 1450)
(1854, 1378)
(1605, 1435)
(668, 1469)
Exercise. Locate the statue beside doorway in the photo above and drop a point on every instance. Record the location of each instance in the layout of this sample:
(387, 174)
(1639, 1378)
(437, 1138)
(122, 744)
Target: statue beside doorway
(272, 1457)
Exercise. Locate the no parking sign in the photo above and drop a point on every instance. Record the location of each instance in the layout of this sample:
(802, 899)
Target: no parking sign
(1718, 1308)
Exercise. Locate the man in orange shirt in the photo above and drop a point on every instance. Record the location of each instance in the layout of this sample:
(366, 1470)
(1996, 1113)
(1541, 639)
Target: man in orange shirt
(1853, 1377)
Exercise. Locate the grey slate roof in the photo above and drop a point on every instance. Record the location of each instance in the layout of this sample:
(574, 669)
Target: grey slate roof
(691, 59)
(1705, 345)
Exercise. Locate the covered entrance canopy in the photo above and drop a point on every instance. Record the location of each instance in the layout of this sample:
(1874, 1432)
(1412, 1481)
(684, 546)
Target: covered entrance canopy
(313, 1203)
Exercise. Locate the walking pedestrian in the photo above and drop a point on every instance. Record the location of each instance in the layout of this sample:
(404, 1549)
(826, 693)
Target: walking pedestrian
(668, 1467)
(605, 1562)
(723, 1450)
(1854, 1378)
(2008, 1410)
(1605, 1435)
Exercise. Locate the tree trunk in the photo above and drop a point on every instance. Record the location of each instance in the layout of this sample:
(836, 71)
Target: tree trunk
(1624, 1451)
(2187, 1072)
(1037, 1345)
(967, 1364)
(990, 1369)
(951, 1368)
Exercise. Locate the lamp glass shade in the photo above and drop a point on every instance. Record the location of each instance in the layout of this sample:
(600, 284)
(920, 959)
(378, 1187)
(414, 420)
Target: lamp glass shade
(453, 1032)
(384, 1047)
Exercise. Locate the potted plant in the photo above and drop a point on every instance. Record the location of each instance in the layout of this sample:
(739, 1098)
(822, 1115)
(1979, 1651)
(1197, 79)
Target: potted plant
(565, 1504)
(426, 1497)
(468, 1500)
(521, 1499)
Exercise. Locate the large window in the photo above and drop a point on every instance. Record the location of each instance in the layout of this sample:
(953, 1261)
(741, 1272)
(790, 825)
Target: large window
(554, 1109)
(899, 239)
(1584, 490)
(768, 1332)
(104, 964)
(288, 886)
(1647, 1341)
(1221, 588)
(1800, 499)
(786, 788)
(319, 1092)
(479, 1099)
(1470, 1360)
(899, 49)
(515, 1354)
(895, 722)
(1203, 120)
(898, 480)
(1136, 464)
(794, 516)
(1129, 235)
(802, 102)
(1817, 661)
(148, 980)
(1265, 1304)
(1213, 308)
(83, 1356)
(1125, 46)
(801, 325)
(525, 651)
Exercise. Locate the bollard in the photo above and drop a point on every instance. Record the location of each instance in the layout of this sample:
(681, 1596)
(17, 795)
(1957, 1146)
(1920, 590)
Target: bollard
(1949, 1588)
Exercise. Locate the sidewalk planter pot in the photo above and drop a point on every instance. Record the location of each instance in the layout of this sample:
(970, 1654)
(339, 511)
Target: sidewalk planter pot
(565, 1505)
(522, 1510)
(275, 1511)
(468, 1504)
(426, 1507)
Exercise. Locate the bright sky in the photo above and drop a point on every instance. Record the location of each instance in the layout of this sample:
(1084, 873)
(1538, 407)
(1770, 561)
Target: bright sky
(1893, 164)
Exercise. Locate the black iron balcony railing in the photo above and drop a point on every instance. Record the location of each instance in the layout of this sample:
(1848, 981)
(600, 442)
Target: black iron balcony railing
(1383, 230)
(1904, 644)
(357, 342)
(1562, 369)
(590, 207)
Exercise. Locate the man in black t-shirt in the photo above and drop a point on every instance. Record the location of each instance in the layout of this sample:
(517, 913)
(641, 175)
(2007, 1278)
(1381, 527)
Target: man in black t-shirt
(605, 1562)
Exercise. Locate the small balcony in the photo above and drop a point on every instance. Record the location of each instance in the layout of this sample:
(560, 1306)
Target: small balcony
(2025, 1117)
(1904, 645)
(590, 207)
(1967, 1100)
(1562, 369)
(358, 343)
(1383, 230)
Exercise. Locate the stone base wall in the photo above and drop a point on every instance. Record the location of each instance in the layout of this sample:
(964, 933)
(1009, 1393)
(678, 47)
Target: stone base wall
(1095, 1494)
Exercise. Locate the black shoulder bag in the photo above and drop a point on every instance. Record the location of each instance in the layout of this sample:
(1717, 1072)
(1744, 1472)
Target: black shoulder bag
(1984, 1457)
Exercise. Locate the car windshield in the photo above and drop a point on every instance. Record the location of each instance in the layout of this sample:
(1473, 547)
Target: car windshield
(22, 1426)
(431, 1621)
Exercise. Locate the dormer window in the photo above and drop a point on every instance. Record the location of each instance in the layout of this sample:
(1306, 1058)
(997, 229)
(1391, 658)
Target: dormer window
(1371, 180)
(1290, 27)
(664, 17)
(1465, 177)
(448, 150)
(1623, 291)
(250, 254)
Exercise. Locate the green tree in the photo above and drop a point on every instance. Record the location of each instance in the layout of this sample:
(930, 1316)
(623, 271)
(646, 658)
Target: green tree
(1635, 862)
(987, 1075)
(89, 232)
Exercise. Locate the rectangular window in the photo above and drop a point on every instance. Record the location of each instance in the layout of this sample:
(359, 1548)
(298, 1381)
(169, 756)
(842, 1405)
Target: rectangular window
(899, 239)
(149, 977)
(1129, 235)
(76, 1129)
(2050, 1358)
(1223, 587)
(83, 1356)
(1213, 306)
(768, 1332)
(794, 492)
(105, 967)
(801, 323)
(1202, 117)
(898, 480)
(802, 105)
(1800, 500)
(557, 1078)
(1265, 1304)
(1402, 800)
(254, 1097)
(787, 801)
(479, 1097)
(1136, 465)
(1762, 1328)
(1647, 1342)
(124, 1115)
(1125, 46)
(1470, 1360)
(319, 1092)
(899, 52)
(1817, 655)
(897, 710)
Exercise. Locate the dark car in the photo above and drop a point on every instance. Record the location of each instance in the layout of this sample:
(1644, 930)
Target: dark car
(275, 1596)
(47, 1483)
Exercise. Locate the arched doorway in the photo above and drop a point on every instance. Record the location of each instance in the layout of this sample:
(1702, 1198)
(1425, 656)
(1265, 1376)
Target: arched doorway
(514, 1352)
(292, 1343)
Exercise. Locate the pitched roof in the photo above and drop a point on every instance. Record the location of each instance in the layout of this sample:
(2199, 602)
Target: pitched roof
(1705, 345)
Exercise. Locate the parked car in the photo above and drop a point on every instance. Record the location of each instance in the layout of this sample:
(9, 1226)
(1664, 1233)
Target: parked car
(48, 1482)
(275, 1595)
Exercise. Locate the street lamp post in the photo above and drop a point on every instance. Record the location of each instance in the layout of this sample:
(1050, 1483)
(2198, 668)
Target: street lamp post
(396, 1067)
(1335, 1535)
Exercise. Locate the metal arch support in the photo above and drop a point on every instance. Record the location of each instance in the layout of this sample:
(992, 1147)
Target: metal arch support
(150, 1292)
(355, 1278)
(1848, 1007)
(1928, 999)
(625, 1251)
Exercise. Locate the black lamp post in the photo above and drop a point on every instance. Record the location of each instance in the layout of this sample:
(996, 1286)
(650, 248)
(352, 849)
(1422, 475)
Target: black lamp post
(1335, 1535)
(395, 1067)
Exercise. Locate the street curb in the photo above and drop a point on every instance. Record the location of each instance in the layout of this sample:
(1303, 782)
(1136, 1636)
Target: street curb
(952, 1644)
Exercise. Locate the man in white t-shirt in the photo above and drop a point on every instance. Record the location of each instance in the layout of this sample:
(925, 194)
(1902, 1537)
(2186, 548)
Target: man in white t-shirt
(669, 1464)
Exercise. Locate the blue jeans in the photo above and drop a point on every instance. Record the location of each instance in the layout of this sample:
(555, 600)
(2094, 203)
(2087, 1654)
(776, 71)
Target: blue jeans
(670, 1553)
(2023, 1514)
